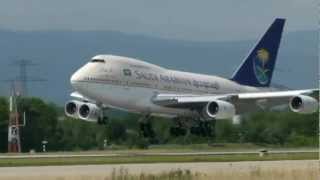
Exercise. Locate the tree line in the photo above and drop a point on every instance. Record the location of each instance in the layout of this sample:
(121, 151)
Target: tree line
(46, 121)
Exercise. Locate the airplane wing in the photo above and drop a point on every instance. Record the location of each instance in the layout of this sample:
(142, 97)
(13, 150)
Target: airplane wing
(83, 98)
(79, 96)
(243, 102)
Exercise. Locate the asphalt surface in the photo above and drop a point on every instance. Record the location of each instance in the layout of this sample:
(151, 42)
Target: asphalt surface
(68, 155)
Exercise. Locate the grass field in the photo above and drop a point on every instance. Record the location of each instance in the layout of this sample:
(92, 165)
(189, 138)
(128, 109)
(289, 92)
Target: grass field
(130, 159)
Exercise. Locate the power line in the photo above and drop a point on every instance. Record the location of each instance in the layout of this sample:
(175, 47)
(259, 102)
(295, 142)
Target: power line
(22, 79)
(18, 88)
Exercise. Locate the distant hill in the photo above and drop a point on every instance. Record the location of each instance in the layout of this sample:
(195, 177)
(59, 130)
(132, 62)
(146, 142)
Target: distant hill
(60, 53)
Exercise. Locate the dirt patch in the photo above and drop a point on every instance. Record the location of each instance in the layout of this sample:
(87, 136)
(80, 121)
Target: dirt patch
(284, 170)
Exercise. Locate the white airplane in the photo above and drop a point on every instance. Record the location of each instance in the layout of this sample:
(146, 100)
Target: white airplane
(109, 81)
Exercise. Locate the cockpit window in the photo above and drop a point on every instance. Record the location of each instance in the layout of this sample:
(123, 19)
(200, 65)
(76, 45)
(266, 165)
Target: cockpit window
(98, 60)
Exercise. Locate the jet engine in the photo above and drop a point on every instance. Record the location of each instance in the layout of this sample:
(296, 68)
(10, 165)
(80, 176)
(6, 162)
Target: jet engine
(71, 108)
(303, 104)
(83, 110)
(90, 112)
(219, 110)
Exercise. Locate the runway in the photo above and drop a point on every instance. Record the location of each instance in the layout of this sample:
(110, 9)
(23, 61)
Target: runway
(303, 169)
(207, 164)
(132, 153)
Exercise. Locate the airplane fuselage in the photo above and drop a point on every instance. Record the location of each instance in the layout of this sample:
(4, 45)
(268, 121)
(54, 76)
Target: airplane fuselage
(131, 84)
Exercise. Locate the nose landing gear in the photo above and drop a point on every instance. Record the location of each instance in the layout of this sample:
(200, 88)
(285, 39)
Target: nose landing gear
(103, 120)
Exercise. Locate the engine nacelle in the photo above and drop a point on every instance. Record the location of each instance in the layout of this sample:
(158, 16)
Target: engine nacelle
(303, 104)
(219, 110)
(89, 112)
(71, 108)
(84, 111)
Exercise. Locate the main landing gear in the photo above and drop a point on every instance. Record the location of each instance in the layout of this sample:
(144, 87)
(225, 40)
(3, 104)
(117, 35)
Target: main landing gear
(145, 127)
(146, 131)
(204, 128)
(197, 126)
(180, 127)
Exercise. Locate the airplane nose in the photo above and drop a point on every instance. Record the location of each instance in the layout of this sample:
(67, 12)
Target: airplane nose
(75, 78)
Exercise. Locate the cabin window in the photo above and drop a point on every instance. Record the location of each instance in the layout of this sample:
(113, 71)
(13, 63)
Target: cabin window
(127, 72)
(98, 60)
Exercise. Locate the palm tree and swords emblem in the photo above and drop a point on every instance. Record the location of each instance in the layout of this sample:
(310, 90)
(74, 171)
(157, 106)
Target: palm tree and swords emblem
(260, 62)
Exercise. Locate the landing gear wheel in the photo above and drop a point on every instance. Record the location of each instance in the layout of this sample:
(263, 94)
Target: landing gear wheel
(178, 131)
(204, 129)
(179, 128)
(146, 130)
(102, 119)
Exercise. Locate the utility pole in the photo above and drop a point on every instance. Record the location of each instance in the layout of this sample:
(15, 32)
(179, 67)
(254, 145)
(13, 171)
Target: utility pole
(14, 144)
(18, 89)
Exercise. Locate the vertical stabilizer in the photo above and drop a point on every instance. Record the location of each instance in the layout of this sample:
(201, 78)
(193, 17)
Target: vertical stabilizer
(257, 68)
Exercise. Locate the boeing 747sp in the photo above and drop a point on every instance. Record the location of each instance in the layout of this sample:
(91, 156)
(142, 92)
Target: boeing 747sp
(110, 81)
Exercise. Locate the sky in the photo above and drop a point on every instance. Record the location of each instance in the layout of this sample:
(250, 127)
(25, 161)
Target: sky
(201, 20)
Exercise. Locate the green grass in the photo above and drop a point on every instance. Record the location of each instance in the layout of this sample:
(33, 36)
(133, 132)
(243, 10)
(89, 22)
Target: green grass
(152, 159)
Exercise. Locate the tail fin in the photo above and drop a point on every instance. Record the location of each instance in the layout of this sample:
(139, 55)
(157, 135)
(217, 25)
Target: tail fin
(257, 69)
